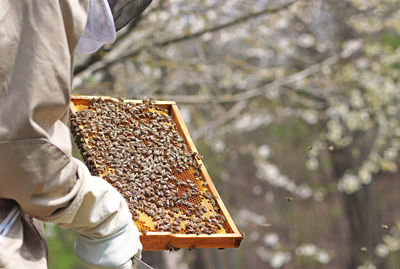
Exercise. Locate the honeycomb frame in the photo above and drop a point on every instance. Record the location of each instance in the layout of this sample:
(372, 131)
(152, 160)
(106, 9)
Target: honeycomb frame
(152, 239)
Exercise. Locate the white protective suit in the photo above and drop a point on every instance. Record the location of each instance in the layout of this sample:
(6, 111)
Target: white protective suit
(39, 179)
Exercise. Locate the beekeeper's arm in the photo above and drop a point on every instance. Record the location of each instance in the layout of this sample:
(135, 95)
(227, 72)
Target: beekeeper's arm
(37, 40)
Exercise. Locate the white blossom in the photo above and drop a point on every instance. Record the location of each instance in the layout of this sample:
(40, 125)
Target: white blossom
(350, 46)
(249, 122)
(218, 145)
(364, 175)
(264, 151)
(367, 265)
(349, 184)
(381, 250)
(304, 191)
(245, 216)
(323, 257)
(279, 259)
(311, 117)
(311, 250)
(356, 99)
(306, 40)
(270, 173)
(271, 239)
(392, 242)
(306, 250)
(390, 154)
(312, 164)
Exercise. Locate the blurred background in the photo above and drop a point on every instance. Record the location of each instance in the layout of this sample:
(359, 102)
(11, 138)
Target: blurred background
(295, 108)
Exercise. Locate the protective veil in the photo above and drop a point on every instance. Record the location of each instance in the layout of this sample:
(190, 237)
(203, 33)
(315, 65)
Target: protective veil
(99, 28)
(104, 19)
(125, 11)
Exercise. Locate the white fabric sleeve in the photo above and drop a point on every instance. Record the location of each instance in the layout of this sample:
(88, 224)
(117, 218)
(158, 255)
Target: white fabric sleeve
(106, 236)
(99, 29)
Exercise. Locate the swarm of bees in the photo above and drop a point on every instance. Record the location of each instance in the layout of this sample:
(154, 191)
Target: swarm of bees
(138, 149)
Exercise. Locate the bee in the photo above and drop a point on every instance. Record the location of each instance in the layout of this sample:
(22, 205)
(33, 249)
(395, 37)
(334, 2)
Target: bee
(221, 218)
(188, 225)
(170, 247)
(207, 195)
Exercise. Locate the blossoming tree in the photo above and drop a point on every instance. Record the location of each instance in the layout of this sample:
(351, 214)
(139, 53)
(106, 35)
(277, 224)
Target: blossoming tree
(240, 69)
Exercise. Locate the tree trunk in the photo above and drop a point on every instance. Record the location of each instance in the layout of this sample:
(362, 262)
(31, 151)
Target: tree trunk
(361, 210)
(362, 213)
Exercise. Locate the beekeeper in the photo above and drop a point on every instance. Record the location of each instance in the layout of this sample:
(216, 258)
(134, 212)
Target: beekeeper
(39, 179)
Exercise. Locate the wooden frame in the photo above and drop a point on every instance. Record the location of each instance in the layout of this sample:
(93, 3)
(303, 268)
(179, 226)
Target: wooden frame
(161, 240)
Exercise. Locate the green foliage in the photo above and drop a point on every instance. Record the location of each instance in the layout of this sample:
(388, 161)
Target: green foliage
(61, 248)
(391, 39)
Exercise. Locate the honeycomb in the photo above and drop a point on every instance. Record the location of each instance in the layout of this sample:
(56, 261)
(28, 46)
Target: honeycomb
(138, 149)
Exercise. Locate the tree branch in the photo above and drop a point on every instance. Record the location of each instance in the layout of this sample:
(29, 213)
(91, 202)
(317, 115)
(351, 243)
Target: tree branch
(100, 54)
(84, 72)
(222, 119)
(250, 94)
(216, 28)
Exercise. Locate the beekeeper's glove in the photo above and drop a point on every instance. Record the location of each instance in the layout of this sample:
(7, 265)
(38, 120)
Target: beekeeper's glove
(112, 251)
(106, 236)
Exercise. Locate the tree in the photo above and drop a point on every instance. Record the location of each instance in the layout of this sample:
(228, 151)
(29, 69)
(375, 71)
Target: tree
(313, 74)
